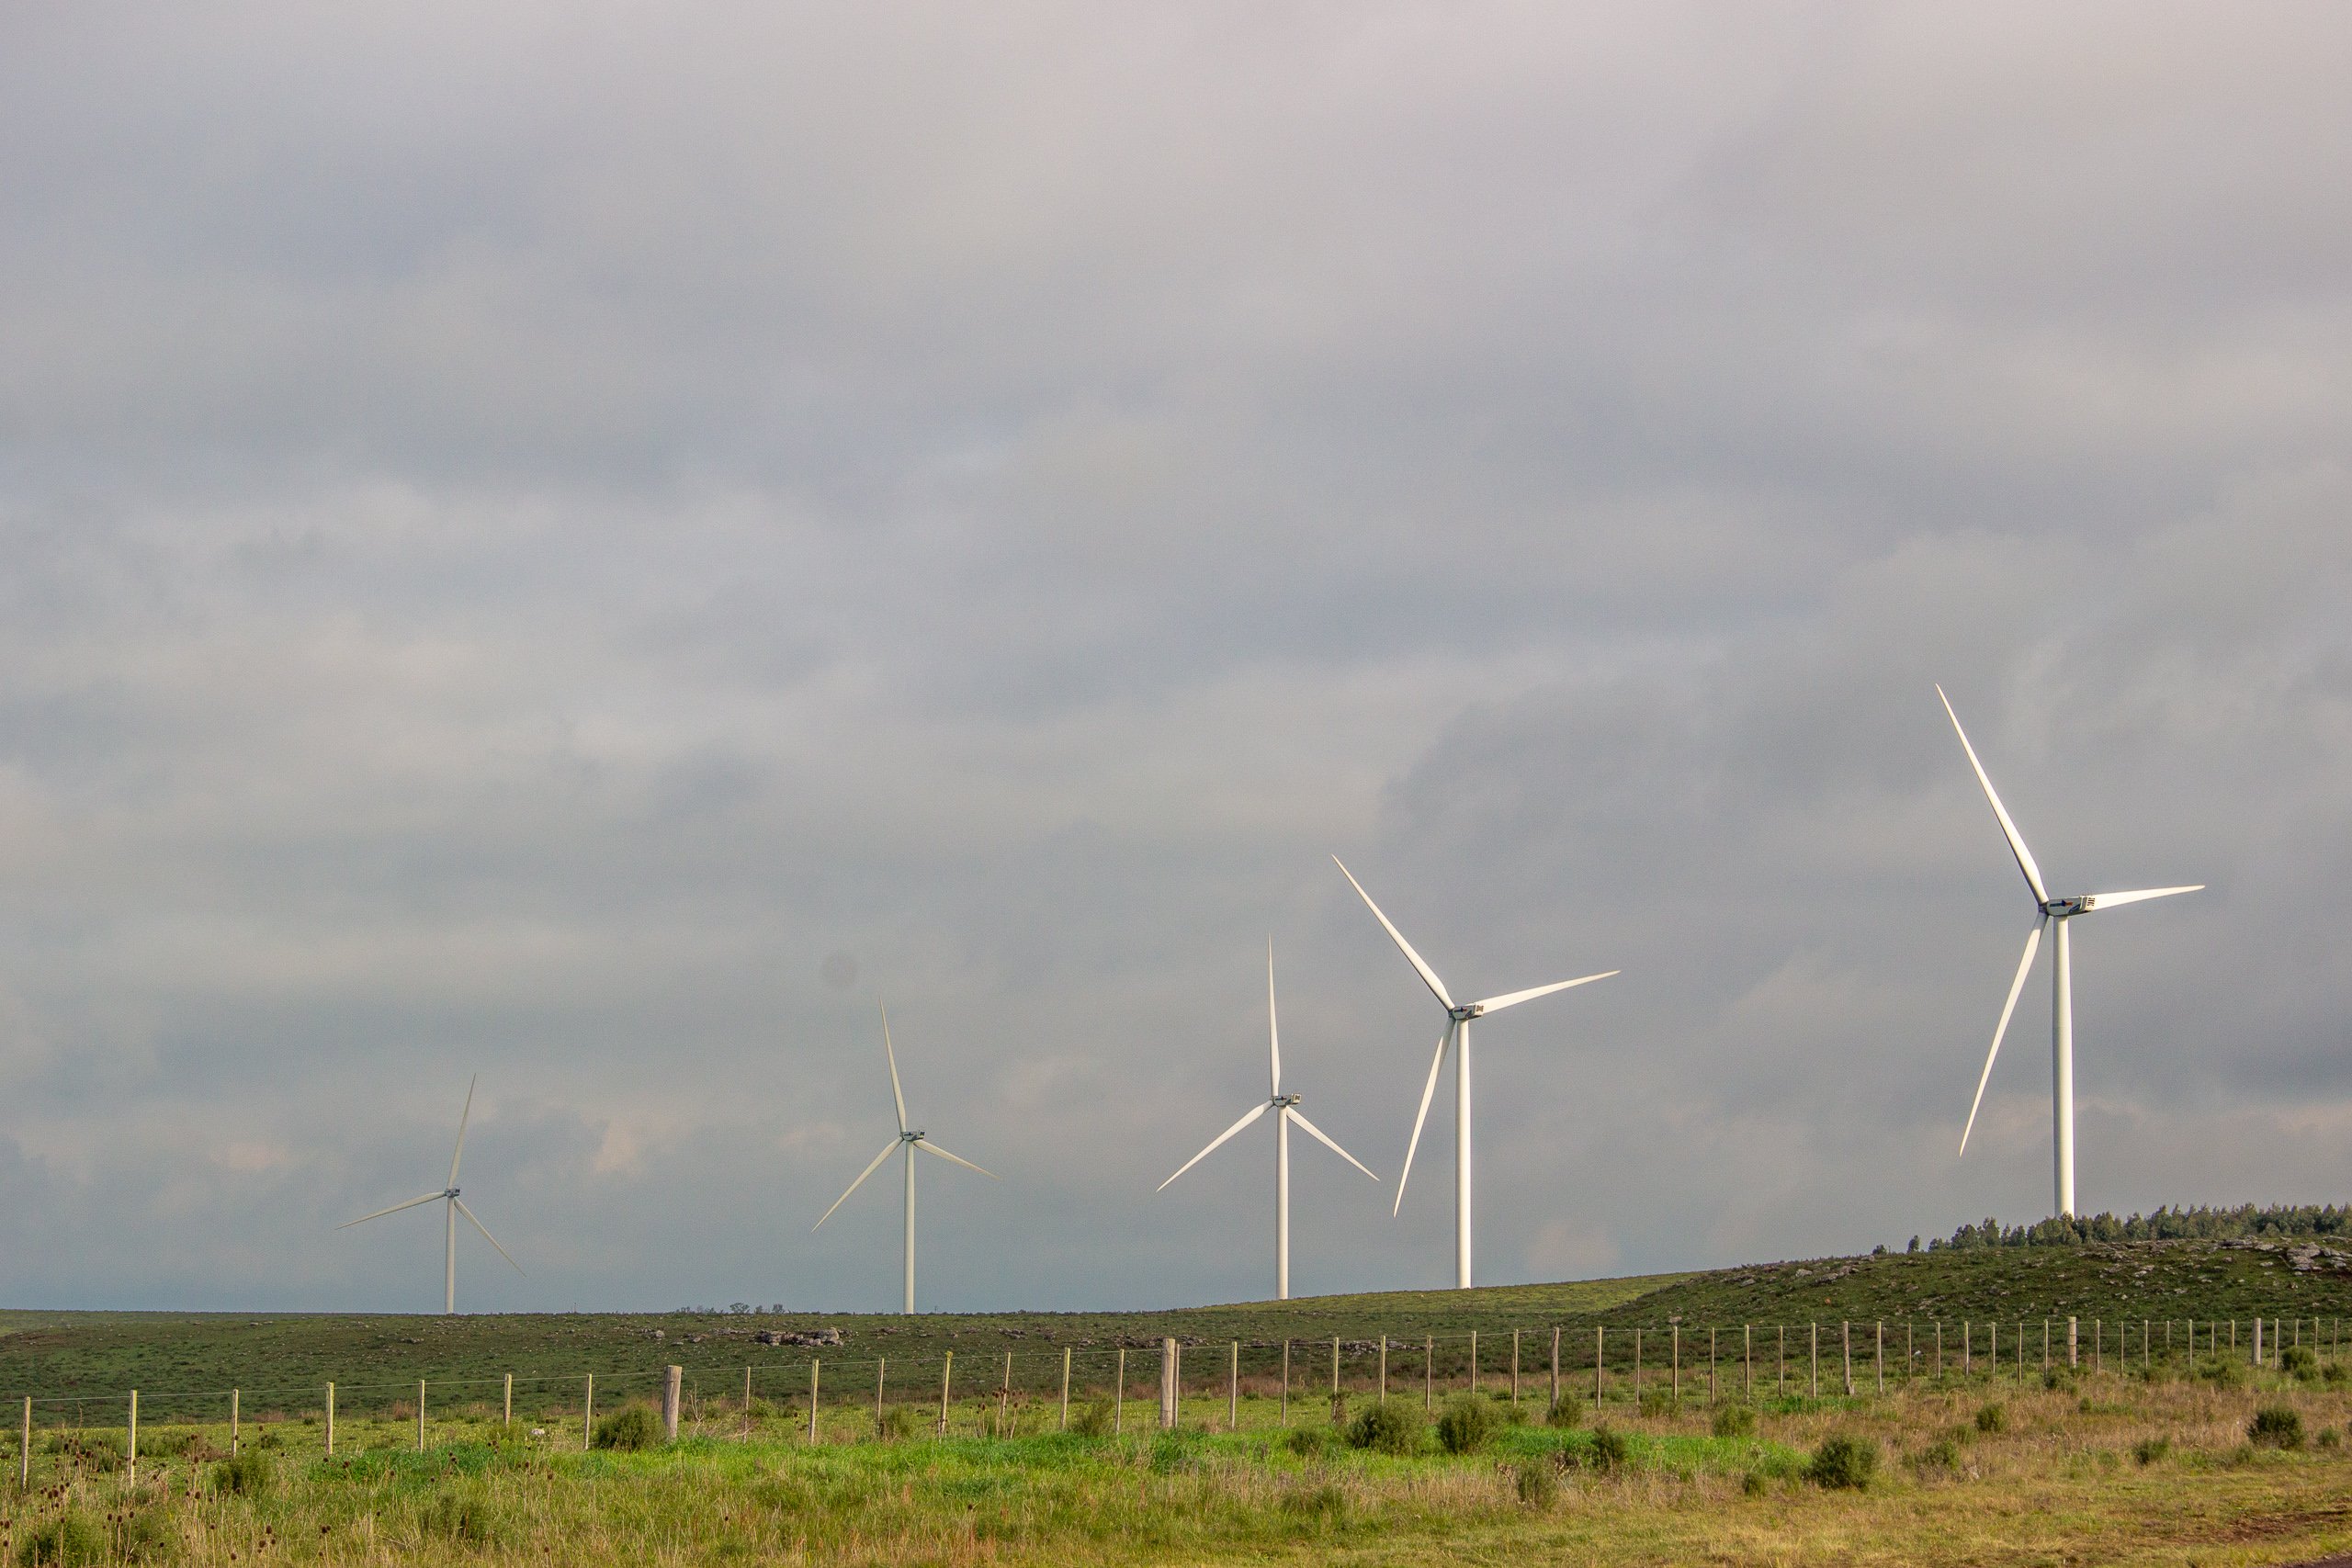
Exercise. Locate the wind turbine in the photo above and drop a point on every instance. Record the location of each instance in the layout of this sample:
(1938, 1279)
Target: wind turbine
(1456, 1038)
(2048, 912)
(456, 1206)
(1286, 1106)
(908, 1140)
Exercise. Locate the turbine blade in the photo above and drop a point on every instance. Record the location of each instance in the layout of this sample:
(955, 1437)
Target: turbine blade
(2033, 946)
(1273, 1028)
(1420, 1116)
(2098, 901)
(898, 1096)
(1497, 1004)
(927, 1146)
(429, 1197)
(1429, 975)
(461, 1129)
(1255, 1112)
(460, 1203)
(1325, 1138)
(2009, 829)
(887, 1149)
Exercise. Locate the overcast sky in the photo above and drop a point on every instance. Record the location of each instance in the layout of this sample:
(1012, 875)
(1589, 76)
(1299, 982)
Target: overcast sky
(587, 543)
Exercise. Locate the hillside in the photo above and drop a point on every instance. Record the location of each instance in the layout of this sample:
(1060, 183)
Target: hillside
(56, 1354)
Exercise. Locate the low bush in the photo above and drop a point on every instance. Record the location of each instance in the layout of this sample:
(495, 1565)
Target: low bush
(1754, 1483)
(2147, 1451)
(2299, 1362)
(629, 1429)
(1389, 1427)
(1655, 1403)
(1944, 1453)
(1173, 1451)
(1468, 1424)
(1567, 1415)
(1093, 1419)
(1843, 1461)
(1610, 1451)
(2334, 1373)
(2329, 1438)
(1735, 1421)
(73, 1540)
(2276, 1426)
(1538, 1481)
(465, 1517)
(902, 1421)
(248, 1474)
(1308, 1441)
(1992, 1416)
(1323, 1505)
(2221, 1371)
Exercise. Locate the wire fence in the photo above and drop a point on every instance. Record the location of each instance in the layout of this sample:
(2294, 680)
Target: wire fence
(1219, 1384)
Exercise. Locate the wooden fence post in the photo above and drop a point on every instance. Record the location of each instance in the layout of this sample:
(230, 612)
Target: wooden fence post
(1781, 1362)
(420, 1415)
(2098, 1341)
(1473, 1360)
(1065, 1388)
(747, 1401)
(2257, 1341)
(1846, 1353)
(1004, 1400)
(133, 1446)
(1555, 1373)
(1910, 1355)
(1815, 1387)
(1514, 1369)
(1967, 1346)
(25, 1451)
(1335, 1379)
(588, 1412)
(330, 1420)
(881, 1383)
(1676, 1381)
(1600, 1362)
(1748, 1359)
(1878, 1356)
(1383, 1369)
(1637, 1369)
(1233, 1386)
(506, 1407)
(1168, 1406)
(1119, 1387)
(232, 1423)
(672, 1380)
(1428, 1374)
(1710, 1366)
(946, 1380)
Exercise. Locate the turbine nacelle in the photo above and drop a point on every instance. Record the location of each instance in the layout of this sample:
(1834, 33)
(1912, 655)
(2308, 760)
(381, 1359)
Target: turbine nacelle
(1463, 1012)
(2059, 908)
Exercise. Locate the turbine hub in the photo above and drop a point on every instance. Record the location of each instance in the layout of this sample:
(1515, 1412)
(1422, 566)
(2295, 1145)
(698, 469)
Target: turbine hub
(1285, 1100)
(911, 1137)
(1464, 1014)
(452, 1192)
(2059, 908)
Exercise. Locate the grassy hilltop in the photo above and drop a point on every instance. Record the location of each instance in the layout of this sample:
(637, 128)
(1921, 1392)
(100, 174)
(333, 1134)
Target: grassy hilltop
(94, 1353)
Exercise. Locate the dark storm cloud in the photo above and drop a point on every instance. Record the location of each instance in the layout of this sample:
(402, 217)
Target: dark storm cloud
(584, 545)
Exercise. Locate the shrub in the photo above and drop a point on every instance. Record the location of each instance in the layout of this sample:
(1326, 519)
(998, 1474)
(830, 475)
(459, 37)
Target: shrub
(1992, 1416)
(142, 1534)
(2329, 1438)
(1941, 1454)
(1389, 1427)
(2299, 1362)
(2055, 1379)
(2147, 1451)
(246, 1475)
(2334, 1372)
(1610, 1450)
(1754, 1484)
(2221, 1371)
(629, 1429)
(901, 1421)
(1538, 1481)
(70, 1540)
(1567, 1415)
(1093, 1420)
(1308, 1441)
(468, 1518)
(1843, 1461)
(1323, 1504)
(1735, 1421)
(1173, 1451)
(2276, 1426)
(1655, 1402)
(1467, 1425)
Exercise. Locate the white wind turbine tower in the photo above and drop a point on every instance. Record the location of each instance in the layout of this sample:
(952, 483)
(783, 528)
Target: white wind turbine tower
(456, 1206)
(1457, 1039)
(2048, 912)
(1286, 1107)
(908, 1140)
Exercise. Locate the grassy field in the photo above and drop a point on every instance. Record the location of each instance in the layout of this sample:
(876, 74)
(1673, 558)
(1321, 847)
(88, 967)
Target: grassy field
(2106, 1468)
(376, 1356)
